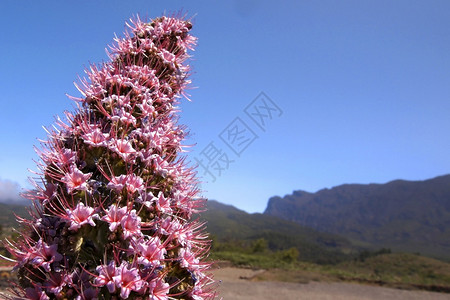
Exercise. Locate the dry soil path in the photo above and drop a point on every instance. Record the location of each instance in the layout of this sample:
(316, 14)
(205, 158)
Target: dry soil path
(234, 287)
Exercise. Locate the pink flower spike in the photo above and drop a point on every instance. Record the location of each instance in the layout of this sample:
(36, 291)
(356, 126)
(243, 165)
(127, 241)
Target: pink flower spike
(114, 215)
(81, 215)
(76, 180)
(113, 207)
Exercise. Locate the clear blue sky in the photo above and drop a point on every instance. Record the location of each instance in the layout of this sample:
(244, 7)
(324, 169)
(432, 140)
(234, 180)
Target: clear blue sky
(364, 86)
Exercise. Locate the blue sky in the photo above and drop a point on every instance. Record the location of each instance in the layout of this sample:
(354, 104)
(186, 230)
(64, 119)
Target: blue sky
(363, 87)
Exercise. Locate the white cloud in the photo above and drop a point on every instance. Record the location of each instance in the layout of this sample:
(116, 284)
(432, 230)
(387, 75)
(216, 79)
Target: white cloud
(10, 191)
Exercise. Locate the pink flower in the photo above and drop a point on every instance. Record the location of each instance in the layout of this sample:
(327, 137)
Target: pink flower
(127, 279)
(123, 148)
(160, 165)
(132, 182)
(168, 58)
(67, 157)
(49, 193)
(115, 100)
(114, 215)
(76, 180)
(81, 215)
(147, 199)
(61, 157)
(159, 289)
(175, 229)
(155, 139)
(56, 282)
(168, 226)
(117, 183)
(106, 276)
(147, 109)
(151, 252)
(42, 255)
(163, 204)
(131, 224)
(188, 259)
(95, 138)
(198, 294)
(145, 75)
(124, 117)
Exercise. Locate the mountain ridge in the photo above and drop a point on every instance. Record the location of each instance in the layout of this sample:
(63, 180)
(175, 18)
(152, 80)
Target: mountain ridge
(404, 215)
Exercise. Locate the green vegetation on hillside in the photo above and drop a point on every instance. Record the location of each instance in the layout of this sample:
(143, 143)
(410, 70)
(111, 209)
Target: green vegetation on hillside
(8, 214)
(406, 216)
(236, 231)
(397, 270)
(8, 223)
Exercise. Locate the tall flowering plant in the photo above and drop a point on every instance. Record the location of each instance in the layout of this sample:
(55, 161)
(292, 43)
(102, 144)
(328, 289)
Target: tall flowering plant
(112, 217)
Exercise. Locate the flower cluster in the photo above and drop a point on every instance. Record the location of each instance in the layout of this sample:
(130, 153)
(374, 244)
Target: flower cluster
(112, 216)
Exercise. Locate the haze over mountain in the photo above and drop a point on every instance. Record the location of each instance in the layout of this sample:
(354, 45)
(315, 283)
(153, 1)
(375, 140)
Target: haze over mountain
(10, 193)
(412, 216)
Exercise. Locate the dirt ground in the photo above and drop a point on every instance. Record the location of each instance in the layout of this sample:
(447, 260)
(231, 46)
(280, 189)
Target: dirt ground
(235, 285)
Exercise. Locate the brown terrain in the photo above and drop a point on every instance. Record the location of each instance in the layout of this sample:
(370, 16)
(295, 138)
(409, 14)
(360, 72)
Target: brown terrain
(239, 284)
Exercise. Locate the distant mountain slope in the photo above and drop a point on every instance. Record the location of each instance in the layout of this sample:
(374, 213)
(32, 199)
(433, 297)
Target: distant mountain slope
(227, 223)
(8, 212)
(411, 216)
